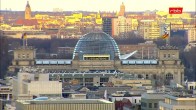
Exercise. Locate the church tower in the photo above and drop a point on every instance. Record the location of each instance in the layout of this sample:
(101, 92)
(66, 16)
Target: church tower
(122, 10)
(28, 11)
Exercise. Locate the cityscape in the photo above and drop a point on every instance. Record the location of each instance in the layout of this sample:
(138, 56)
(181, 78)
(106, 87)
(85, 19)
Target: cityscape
(98, 55)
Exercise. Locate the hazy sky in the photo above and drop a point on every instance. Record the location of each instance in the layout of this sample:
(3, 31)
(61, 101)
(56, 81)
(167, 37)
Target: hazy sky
(96, 5)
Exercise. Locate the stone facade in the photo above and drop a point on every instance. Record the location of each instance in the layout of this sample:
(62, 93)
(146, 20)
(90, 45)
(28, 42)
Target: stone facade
(168, 66)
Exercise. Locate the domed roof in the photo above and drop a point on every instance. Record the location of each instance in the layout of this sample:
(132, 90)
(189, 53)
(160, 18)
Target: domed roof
(96, 43)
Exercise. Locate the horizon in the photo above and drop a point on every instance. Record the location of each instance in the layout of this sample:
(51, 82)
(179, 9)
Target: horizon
(99, 5)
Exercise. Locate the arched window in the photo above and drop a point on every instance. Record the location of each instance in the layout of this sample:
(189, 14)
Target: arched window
(169, 76)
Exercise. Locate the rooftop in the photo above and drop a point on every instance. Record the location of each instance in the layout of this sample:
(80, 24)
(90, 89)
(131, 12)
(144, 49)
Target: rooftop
(66, 101)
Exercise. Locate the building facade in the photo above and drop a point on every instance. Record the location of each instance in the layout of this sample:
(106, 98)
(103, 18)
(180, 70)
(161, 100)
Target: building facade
(98, 51)
(23, 56)
(121, 26)
(149, 29)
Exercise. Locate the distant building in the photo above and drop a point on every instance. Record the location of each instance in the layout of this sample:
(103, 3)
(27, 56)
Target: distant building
(121, 26)
(28, 11)
(149, 29)
(178, 102)
(107, 25)
(3, 54)
(122, 10)
(192, 34)
(65, 104)
(150, 101)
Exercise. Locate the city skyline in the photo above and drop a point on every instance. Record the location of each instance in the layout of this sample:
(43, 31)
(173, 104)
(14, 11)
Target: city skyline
(98, 5)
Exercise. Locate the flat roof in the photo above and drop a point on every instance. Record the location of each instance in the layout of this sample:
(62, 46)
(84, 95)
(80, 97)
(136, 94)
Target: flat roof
(66, 101)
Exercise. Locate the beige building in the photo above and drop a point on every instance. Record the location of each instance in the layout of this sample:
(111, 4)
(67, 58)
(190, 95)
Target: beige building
(65, 104)
(149, 29)
(178, 102)
(27, 85)
(23, 56)
(121, 25)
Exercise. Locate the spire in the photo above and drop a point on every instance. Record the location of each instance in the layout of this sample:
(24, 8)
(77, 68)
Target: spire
(27, 4)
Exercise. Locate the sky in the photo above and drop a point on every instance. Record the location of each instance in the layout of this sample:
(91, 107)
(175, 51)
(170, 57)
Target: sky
(97, 5)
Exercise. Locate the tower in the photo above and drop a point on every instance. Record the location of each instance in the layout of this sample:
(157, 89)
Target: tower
(28, 11)
(122, 10)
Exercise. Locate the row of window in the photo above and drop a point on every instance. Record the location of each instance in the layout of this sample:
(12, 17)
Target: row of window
(168, 56)
(23, 56)
(143, 104)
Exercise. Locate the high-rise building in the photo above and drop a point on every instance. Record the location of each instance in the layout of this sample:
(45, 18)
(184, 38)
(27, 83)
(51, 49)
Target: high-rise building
(122, 10)
(149, 29)
(28, 11)
(121, 25)
(107, 25)
(3, 55)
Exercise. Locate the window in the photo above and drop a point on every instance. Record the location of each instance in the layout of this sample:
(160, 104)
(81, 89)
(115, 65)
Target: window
(169, 76)
(155, 105)
(18, 55)
(135, 101)
(147, 76)
(27, 55)
(164, 55)
(150, 105)
(191, 87)
(23, 55)
(168, 55)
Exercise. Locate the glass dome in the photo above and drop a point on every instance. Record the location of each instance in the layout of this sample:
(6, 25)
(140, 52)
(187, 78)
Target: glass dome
(96, 43)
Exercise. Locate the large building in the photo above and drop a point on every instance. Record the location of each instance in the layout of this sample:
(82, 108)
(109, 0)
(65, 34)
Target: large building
(107, 25)
(121, 26)
(99, 51)
(149, 29)
(65, 104)
(28, 11)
